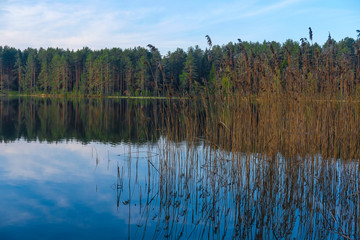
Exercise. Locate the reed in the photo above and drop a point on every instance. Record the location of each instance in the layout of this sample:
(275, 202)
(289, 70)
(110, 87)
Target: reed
(251, 169)
(294, 69)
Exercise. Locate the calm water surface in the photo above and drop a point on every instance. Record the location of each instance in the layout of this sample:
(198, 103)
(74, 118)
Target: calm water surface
(127, 169)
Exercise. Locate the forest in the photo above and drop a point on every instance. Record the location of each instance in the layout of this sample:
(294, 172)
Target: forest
(248, 68)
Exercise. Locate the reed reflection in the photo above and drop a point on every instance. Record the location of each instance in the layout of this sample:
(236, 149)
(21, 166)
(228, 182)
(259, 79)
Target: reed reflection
(192, 194)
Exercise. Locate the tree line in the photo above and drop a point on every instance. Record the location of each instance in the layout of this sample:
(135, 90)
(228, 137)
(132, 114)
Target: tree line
(294, 67)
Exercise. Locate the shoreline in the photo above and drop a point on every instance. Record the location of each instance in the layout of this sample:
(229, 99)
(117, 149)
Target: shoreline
(260, 98)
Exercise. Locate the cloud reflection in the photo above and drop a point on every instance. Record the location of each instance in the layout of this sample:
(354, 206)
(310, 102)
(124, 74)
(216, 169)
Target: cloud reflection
(48, 162)
(52, 184)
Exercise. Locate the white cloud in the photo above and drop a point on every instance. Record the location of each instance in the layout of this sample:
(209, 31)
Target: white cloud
(46, 24)
(167, 25)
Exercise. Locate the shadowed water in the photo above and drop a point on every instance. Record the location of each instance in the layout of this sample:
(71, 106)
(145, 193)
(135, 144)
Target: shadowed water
(154, 169)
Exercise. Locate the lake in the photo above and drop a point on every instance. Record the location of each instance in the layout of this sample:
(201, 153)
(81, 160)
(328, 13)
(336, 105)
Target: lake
(179, 169)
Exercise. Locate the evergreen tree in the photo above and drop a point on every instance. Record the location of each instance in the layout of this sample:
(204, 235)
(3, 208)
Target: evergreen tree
(29, 83)
(189, 74)
(19, 70)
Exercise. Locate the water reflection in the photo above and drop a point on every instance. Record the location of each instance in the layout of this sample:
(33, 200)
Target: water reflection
(65, 191)
(215, 195)
(179, 169)
(104, 120)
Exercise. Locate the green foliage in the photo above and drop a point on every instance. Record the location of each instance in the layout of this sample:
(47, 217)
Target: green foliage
(190, 72)
(43, 82)
(226, 83)
(212, 76)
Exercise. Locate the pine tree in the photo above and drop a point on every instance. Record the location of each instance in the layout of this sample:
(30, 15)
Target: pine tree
(19, 69)
(189, 73)
(29, 83)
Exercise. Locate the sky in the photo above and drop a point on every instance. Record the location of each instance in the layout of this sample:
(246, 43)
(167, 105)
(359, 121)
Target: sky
(169, 25)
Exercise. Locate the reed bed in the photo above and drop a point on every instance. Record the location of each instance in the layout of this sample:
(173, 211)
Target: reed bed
(249, 169)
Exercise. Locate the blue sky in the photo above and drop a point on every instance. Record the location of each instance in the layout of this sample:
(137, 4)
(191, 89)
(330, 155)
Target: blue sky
(171, 24)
